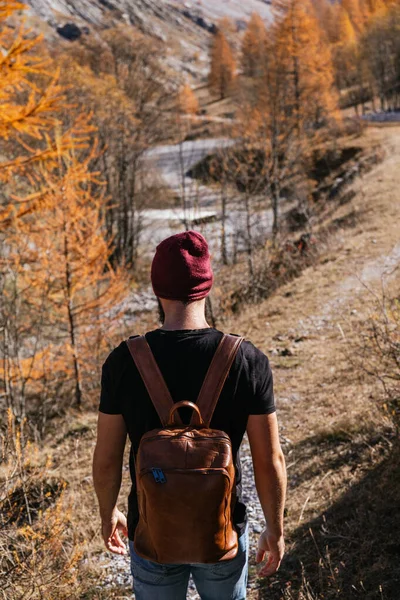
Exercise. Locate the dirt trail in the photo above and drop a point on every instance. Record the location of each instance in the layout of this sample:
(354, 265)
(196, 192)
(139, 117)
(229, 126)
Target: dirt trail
(303, 326)
(310, 308)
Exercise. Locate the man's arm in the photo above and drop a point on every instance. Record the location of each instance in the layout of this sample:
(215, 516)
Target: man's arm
(107, 475)
(270, 478)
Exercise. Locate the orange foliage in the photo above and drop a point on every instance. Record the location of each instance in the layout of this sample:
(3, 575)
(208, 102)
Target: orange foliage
(253, 45)
(305, 58)
(355, 11)
(31, 99)
(345, 30)
(187, 101)
(61, 260)
(223, 67)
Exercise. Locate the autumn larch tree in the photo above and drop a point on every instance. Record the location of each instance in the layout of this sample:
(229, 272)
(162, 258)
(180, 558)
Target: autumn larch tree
(253, 46)
(31, 100)
(222, 66)
(355, 12)
(132, 76)
(68, 255)
(305, 56)
(345, 29)
(350, 73)
(381, 52)
(187, 101)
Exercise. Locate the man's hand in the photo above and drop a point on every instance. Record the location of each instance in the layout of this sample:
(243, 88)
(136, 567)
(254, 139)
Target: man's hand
(110, 531)
(275, 547)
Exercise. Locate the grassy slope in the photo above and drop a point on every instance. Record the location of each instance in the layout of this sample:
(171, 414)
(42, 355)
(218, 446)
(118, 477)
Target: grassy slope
(340, 521)
(342, 482)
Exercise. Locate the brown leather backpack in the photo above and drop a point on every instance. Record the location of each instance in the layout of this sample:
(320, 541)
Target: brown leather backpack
(185, 475)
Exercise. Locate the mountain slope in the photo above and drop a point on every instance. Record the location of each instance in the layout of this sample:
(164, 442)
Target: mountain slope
(141, 13)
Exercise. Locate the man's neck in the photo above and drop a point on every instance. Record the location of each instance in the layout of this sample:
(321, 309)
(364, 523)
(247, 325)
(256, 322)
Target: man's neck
(175, 322)
(179, 316)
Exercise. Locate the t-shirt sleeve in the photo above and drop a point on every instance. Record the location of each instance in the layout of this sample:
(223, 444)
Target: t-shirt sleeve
(260, 380)
(109, 402)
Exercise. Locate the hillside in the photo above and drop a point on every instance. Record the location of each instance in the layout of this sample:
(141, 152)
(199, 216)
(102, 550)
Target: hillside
(133, 120)
(184, 27)
(140, 12)
(343, 479)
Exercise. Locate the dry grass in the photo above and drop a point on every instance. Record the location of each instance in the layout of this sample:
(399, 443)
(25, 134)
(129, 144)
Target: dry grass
(341, 451)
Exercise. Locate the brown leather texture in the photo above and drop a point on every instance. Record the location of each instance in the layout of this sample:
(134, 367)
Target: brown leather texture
(152, 377)
(216, 376)
(185, 480)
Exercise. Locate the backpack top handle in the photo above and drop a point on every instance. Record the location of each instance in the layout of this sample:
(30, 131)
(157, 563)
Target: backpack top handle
(186, 403)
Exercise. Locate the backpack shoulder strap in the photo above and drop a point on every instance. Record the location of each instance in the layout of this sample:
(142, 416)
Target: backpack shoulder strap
(152, 377)
(216, 376)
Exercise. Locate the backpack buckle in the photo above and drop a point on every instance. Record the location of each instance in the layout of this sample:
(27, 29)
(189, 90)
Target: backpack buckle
(158, 475)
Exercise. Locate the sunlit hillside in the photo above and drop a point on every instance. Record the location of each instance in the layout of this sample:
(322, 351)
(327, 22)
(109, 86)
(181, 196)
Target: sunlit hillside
(274, 130)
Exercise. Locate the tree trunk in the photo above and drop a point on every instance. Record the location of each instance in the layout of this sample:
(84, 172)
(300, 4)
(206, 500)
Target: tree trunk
(71, 324)
(275, 209)
(224, 255)
(183, 186)
(249, 240)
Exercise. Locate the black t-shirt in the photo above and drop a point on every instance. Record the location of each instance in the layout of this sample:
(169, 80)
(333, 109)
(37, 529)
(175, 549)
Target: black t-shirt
(183, 357)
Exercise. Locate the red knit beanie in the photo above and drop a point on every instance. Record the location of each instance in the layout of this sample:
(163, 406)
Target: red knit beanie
(181, 268)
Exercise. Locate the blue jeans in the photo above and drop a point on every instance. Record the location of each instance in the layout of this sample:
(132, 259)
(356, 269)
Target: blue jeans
(225, 580)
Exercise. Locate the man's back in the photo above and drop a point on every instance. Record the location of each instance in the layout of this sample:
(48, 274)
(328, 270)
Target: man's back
(183, 357)
(182, 277)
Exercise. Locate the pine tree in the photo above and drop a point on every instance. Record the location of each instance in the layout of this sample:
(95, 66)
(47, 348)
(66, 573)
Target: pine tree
(253, 46)
(222, 68)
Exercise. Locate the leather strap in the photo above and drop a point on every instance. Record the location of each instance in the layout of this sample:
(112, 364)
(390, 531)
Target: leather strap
(216, 376)
(152, 378)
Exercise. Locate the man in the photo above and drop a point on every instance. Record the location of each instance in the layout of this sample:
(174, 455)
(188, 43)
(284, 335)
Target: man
(183, 347)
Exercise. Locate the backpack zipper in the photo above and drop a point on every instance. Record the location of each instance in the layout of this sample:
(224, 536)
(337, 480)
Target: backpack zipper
(206, 471)
(168, 437)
